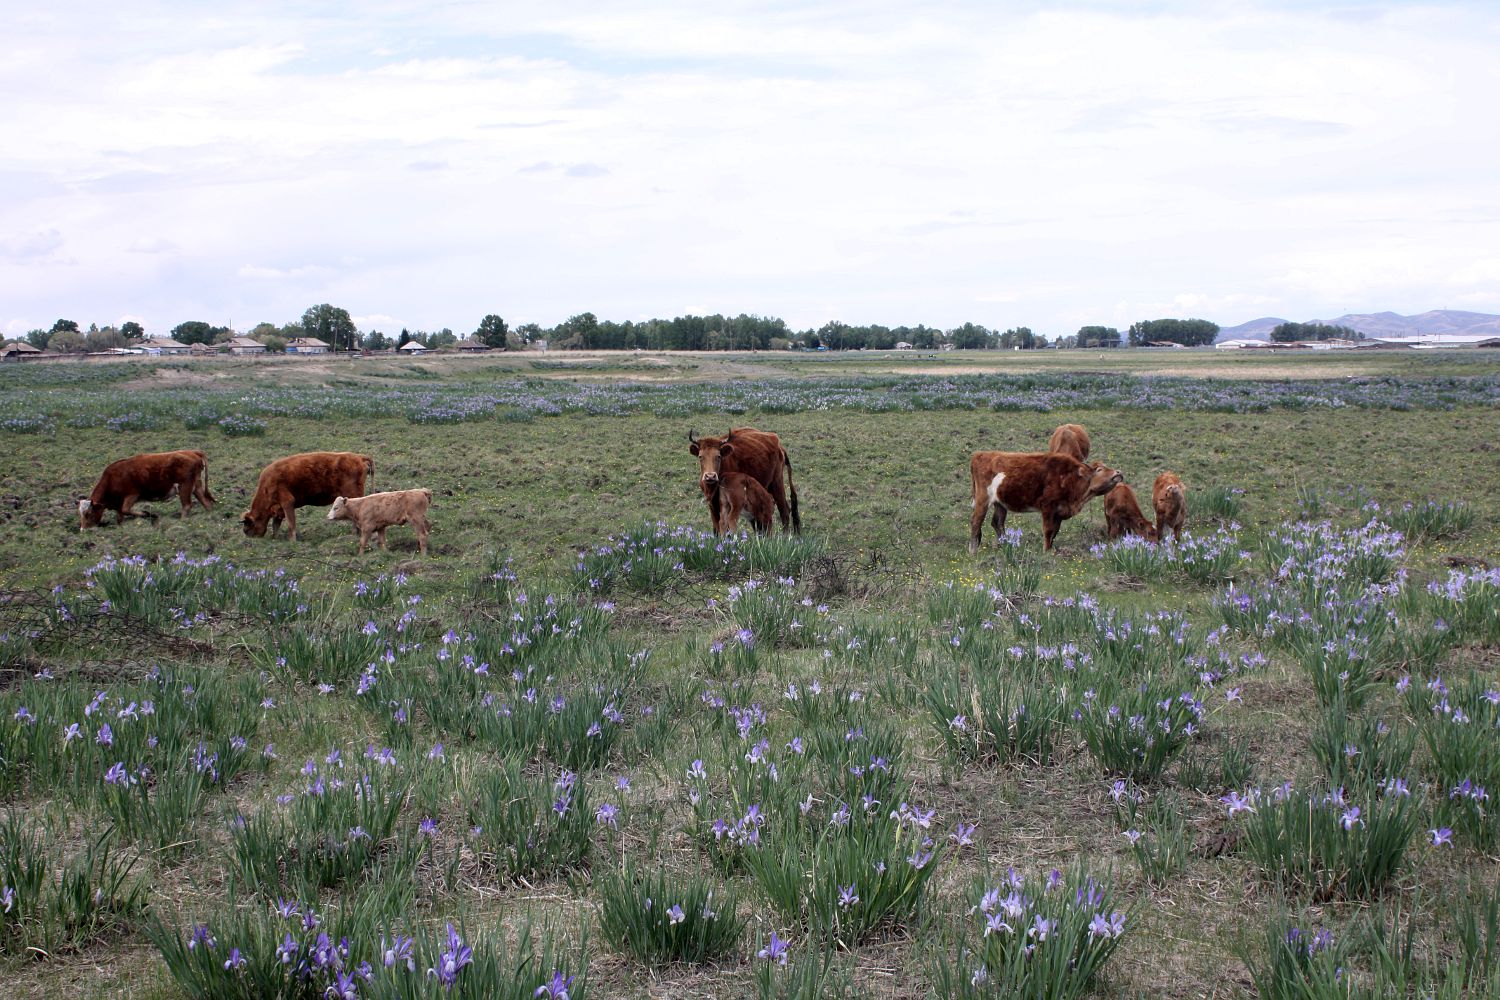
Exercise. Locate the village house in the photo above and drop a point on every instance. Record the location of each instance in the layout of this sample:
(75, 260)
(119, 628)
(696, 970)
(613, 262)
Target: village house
(306, 345)
(244, 345)
(18, 350)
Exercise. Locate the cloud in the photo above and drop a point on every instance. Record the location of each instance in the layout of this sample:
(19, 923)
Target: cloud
(586, 170)
(151, 244)
(262, 273)
(31, 246)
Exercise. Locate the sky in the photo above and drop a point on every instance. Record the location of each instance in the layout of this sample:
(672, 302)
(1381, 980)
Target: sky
(1050, 165)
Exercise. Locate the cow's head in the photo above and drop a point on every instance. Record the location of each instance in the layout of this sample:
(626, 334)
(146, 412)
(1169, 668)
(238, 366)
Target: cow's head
(255, 527)
(1101, 478)
(89, 514)
(711, 453)
(336, 512)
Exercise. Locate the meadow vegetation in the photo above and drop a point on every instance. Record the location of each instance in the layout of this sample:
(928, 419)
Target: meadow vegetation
(588, 749)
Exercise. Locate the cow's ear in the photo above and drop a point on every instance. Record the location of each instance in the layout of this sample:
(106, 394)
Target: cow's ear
(693, 448)
(725, 449)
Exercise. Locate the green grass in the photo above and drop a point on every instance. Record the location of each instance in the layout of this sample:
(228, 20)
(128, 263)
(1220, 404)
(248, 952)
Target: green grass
(886, 498)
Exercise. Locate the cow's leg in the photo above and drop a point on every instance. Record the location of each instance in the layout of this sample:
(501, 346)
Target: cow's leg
(126, 510)
(713, 513)
(1050, 525)
(976, 519)
(380, 537)
(185, 493)
(290, 511)
(364, 540)
(777, 488)
(422, 528)
(729, 519)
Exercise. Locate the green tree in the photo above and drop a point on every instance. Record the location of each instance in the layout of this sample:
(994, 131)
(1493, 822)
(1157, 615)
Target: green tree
(492, 332)
(1097, 336)
(38, 338)
(264, 330)
(331, 325)
(65, 324)
(1021, 337)
(102, 340)
(1188, 332)
(577, 332)
(1286, 333)
(443, 338)
(132, 330)
(195, 331)
(527, 333)
(970, 337)
(67, 341)
(404, 339)
(377, 341)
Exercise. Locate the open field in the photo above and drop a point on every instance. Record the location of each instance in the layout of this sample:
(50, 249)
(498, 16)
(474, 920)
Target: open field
(448, 732)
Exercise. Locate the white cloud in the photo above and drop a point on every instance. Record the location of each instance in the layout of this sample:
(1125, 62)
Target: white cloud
(873, 162)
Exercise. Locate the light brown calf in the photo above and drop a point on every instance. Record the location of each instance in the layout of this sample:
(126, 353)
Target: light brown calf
(374, 513)
(1122, 515)
(1169, 497)
(1070, 439)
(738, 493)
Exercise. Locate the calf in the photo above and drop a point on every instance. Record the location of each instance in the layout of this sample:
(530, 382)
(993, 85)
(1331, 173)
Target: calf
(757, 454)
(1051, 483)
(1169, 497)
(1122, 515)
(378, 511)
(737, 493)
(312, 479)
(1070, 439)
(151, 477)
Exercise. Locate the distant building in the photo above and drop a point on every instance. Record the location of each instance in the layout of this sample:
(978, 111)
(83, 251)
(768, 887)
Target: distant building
(244, 345)
(411, 348)
(471, 346)
(306, 345)
(18, 350)
(903, 346)
(1169, 344)
(1432, 341)
(165, 346)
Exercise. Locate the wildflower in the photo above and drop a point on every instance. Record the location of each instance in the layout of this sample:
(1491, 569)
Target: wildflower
(964, 835)
(117, 775)
(7, 899)
(696, 771)
(1238, 803)
(775, 951)
(287, 951)
(1350, 819)
(555, 989)
(675, 916)
(452, 961)
(1132, 836)
(428, 827)
(1442, 835)
(436, 753)
(605, 815)
(847, 896)
(996, 924)
(235, 959)
(1041, 927)
(201, 936)
(343, 988)
(73, 732)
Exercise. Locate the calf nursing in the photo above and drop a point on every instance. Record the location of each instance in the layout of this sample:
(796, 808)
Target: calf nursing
(1122, 515)
(374, 513)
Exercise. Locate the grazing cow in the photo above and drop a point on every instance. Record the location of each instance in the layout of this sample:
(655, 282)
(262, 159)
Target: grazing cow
(151, 477)
(1169, 497)
(1122, 515)
(1054, 484)
(311, 479)
(737, 493)
(753, 453)
(378, 511)
(1070, 439)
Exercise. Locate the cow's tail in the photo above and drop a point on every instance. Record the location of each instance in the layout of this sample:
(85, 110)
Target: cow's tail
(791, 493)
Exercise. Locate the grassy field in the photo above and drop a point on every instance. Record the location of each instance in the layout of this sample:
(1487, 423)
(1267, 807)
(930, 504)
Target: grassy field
(976, 687)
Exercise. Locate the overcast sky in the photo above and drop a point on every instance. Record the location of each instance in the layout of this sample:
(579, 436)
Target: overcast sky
(1005, 163)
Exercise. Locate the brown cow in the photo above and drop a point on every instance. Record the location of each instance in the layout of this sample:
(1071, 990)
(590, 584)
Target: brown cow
(311, 479)
(1070, 439)
(1122, 515)
(1169, 497)
(150, 477)
(737, 493)
(1056, 485)
(378, 511)
(757, 454)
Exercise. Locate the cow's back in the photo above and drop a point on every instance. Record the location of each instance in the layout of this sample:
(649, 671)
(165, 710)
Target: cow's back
(757, 454)
(150, 476)
(1070, 439)
(315, 478)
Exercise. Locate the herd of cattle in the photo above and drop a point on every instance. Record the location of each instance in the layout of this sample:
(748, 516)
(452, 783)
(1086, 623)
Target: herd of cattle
(746, 473)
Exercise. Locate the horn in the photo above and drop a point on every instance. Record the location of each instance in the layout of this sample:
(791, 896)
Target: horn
(691, 438)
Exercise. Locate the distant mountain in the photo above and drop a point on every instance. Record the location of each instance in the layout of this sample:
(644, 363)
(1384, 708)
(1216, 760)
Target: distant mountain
(1381, 324)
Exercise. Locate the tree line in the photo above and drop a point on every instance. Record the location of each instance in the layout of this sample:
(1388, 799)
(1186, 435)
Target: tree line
(334, 326)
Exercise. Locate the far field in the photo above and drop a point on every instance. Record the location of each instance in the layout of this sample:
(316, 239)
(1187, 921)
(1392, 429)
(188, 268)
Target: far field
(536, 461)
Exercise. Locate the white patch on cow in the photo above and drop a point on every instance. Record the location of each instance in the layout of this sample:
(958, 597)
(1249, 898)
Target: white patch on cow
(83, 506)
(994, 491)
